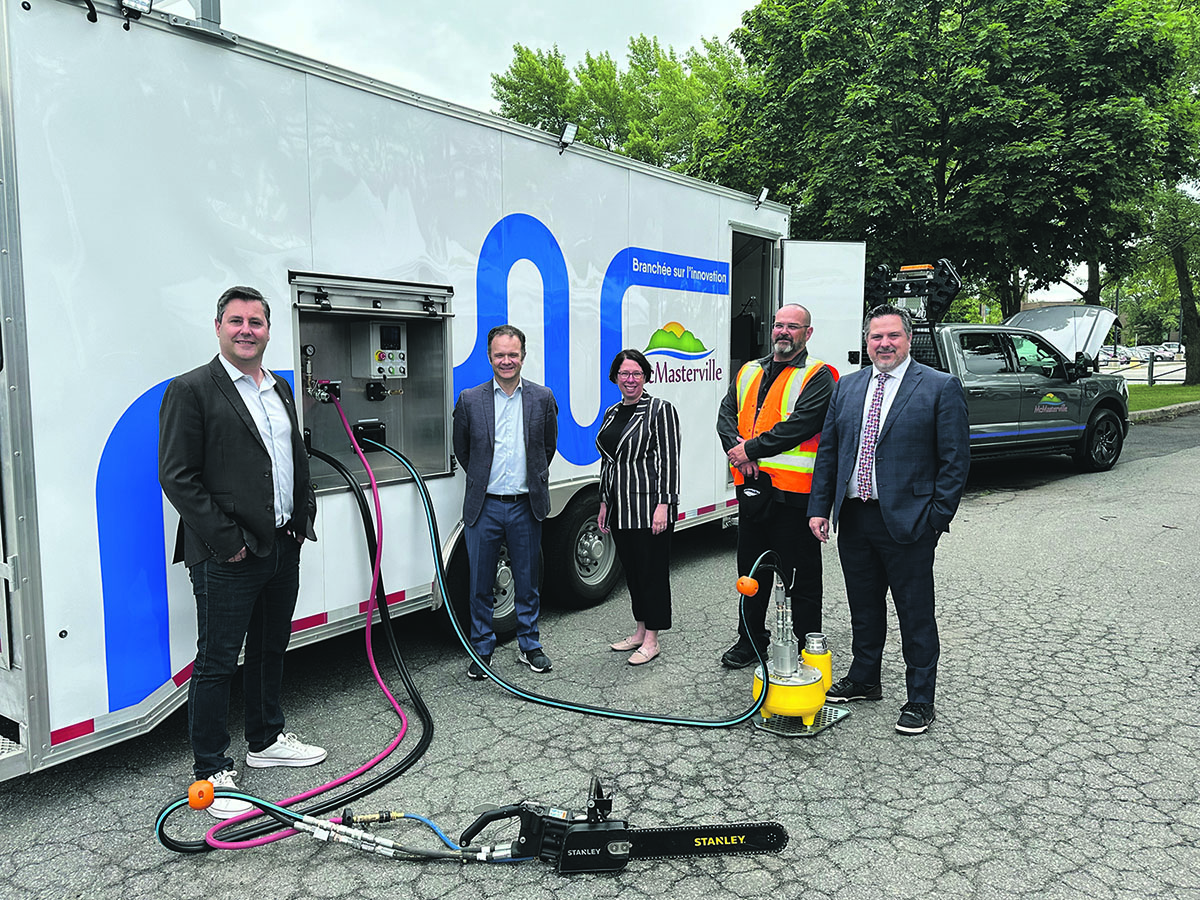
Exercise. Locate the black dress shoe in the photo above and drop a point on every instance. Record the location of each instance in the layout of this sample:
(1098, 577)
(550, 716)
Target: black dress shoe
(915, 718)
(740, 655)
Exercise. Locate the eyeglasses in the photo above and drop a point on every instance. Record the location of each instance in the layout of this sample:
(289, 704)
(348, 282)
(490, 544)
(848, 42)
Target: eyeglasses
(631, 376)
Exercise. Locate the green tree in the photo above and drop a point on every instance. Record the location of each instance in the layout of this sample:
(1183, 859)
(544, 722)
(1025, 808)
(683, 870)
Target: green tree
(1161, 290)
(537, 89)
(662, 109)
(1014, 137)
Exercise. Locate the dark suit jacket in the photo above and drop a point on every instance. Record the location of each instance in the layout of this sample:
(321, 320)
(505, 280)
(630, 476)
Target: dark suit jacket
(216, 471)
(475, 435)
(921, 457)
(645, 470)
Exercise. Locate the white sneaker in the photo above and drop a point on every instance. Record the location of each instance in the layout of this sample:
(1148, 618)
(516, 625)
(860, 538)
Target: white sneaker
(226, 807)
(287, 750)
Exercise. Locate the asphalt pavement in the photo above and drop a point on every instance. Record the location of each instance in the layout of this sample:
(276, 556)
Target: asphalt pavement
(1062, 763)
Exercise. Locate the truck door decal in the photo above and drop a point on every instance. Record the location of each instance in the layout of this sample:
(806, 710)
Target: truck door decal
(519, 237)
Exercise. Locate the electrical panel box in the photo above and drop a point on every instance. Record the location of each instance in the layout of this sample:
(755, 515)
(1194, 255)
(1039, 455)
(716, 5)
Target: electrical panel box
(380, 350)
(383, 349)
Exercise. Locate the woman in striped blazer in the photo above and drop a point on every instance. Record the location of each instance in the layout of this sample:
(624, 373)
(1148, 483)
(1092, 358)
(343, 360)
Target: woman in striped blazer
(639, 495)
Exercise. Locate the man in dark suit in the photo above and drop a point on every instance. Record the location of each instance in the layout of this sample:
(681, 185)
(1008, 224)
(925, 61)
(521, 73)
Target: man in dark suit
(232, 462)
(505, 434)
(892, 464)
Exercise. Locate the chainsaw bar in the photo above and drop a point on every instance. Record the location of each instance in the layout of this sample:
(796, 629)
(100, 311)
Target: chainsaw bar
(707, 840)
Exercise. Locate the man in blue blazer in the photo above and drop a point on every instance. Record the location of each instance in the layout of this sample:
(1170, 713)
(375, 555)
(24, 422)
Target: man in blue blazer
(890, 471)
(505, 434)
(232, 461)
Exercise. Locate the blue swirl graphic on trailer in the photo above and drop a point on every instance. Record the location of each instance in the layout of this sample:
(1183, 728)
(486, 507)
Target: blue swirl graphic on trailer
(520, 237)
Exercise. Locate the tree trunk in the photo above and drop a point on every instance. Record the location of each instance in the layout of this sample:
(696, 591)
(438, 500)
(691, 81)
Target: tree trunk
(1189, 320)
(1010, 295)
(1092, 294)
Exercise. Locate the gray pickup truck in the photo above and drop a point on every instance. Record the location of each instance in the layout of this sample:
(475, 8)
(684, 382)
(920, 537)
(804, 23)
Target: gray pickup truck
(1031, 383)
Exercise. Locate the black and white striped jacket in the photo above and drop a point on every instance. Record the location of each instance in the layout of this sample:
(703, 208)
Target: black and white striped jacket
(645, 470)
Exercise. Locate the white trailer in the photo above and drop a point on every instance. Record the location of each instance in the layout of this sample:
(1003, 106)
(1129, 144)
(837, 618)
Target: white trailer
(146, 168)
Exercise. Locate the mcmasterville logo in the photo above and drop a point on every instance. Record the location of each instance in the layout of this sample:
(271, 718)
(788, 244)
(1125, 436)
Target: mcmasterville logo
(1050, 403)
(676, 342)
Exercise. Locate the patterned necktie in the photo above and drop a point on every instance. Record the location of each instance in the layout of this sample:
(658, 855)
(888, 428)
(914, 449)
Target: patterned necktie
(866, 456)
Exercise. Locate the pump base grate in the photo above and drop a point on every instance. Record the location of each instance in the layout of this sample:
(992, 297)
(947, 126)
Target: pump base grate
(793, 726)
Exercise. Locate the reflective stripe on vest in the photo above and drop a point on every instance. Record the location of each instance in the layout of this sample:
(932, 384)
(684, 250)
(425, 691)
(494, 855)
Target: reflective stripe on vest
(792, 469)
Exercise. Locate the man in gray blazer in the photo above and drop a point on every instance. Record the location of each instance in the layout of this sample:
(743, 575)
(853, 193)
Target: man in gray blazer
(505, 434)
(891, 468)
(232, 462)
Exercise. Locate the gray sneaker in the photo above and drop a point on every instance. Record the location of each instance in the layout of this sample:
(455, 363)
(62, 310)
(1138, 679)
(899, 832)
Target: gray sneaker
(535, 659)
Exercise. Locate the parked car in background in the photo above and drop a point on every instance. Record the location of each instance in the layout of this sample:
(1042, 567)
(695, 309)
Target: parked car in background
(1110, 355)
(1156, 351)
(1175, 347)
(1139, 353)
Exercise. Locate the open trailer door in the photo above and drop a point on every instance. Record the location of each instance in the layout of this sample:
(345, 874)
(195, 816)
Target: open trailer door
(827, 278)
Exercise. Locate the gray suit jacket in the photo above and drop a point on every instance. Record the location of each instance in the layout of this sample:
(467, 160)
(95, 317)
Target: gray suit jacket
(216, 471)
(921, 457)
(474, 440)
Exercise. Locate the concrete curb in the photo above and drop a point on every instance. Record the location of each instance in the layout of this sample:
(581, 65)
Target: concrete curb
(1164, 412)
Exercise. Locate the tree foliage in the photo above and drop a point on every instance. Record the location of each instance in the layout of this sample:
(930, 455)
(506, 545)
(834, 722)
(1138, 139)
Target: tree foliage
(1014, 137)
(1159, 295)
(662, 108)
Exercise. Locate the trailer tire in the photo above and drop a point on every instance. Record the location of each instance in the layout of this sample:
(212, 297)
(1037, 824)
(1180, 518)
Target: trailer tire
(1102, 441)
(586, 567)
(504, 612)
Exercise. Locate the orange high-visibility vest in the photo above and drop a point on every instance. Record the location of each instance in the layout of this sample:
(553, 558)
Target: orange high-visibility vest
(792, 469)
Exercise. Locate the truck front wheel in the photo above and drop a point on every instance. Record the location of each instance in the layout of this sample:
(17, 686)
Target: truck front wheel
(1102, 442)
(584, 567)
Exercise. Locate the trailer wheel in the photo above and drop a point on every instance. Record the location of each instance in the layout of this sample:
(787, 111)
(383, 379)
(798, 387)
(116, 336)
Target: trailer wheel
(504, 612)
(585, 565)
(1102, 442)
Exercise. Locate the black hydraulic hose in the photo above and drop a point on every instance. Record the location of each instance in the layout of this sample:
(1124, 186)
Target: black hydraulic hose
(431, 519)
(258, 829)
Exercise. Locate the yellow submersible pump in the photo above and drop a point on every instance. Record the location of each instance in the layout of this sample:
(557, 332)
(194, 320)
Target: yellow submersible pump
(795, 703)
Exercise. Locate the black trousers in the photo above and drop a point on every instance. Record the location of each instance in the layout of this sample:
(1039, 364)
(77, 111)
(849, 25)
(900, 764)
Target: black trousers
(646, 557)
(872, 562)
(783, 529)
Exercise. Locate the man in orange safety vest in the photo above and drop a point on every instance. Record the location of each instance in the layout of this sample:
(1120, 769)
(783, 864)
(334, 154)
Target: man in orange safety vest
(769, 423)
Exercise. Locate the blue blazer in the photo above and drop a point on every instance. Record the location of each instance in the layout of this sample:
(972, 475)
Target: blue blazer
(921, 457)
(475, 436)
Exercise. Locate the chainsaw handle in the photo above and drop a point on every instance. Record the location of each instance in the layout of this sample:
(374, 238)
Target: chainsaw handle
(487, 818)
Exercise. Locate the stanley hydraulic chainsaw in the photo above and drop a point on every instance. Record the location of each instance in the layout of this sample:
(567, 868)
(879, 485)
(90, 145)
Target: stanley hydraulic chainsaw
(592, 842)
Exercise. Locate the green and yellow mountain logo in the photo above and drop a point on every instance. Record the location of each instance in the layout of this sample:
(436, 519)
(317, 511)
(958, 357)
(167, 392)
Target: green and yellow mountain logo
(675, 340)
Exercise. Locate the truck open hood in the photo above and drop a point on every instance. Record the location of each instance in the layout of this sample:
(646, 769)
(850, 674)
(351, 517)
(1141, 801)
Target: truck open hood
(1071, 327)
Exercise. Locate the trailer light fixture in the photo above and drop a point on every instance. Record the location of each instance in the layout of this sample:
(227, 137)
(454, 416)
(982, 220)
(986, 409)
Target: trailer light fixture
(567, 137)
(762, 195)
(136, 8)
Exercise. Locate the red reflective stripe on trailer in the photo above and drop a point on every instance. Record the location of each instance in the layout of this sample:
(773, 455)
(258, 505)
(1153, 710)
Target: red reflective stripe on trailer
(392, 600)
(62, 735)
(181, 677)
(310, 622)
(729, 503)
(706, 509)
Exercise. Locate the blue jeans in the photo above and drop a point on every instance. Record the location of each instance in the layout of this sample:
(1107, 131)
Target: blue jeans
(253, 599)
(512, 524)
